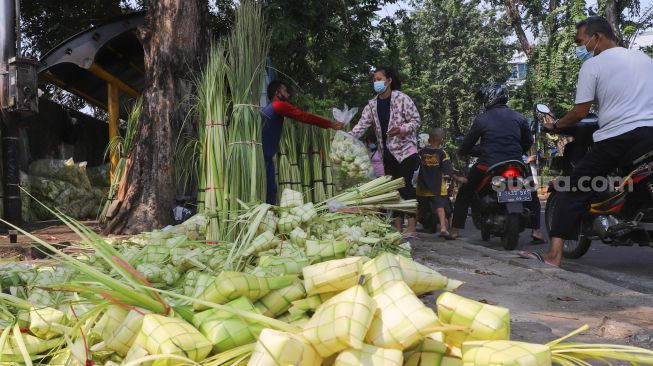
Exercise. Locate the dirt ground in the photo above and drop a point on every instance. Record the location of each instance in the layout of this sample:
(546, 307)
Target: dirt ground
(53, 232)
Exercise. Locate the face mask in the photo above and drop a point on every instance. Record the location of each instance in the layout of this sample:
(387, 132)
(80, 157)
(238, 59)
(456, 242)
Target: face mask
(582, 53)
(379, 86)
(372, 146)
(282, 98)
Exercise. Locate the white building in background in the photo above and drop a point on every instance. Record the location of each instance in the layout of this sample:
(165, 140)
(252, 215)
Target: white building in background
(519, 69)
(519, 61)
(644, 39)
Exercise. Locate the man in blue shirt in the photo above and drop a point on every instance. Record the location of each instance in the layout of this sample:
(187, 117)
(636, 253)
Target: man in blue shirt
(272, 117)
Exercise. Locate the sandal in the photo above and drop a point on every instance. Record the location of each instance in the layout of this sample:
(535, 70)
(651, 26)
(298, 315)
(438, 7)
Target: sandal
(534, 255)
(411, 235)
(535, 240)
(445, 235)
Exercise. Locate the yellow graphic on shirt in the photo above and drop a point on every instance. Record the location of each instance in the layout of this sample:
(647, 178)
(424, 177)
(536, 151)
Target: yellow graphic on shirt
(433, 160)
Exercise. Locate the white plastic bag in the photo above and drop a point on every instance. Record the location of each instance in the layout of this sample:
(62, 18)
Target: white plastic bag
(351, 160)
(345, 115)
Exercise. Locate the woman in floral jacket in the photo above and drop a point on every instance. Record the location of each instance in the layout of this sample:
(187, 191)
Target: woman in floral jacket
(396, 121)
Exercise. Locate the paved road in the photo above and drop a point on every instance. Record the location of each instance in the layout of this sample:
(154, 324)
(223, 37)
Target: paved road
(631, 267)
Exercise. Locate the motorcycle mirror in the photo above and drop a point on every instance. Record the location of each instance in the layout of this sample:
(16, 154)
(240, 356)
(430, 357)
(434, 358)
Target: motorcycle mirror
(542, 108)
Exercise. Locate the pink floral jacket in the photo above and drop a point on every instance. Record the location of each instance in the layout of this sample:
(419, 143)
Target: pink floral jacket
(403, 114)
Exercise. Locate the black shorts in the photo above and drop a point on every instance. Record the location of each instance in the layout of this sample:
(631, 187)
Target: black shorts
(405, 170)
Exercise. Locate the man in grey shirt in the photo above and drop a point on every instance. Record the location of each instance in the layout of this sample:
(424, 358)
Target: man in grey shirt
(620, 81)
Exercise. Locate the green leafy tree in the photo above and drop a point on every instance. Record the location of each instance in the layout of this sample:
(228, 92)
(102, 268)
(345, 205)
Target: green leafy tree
(327, 47)
(461, 46)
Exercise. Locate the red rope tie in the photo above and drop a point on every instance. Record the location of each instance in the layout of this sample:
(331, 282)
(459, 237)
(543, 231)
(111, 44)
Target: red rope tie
(140, 277)
(213, 123)
(214, 188)
(120, 303)
(89, 361)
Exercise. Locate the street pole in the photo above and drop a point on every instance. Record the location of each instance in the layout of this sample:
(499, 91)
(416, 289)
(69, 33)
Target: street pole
(9, 129)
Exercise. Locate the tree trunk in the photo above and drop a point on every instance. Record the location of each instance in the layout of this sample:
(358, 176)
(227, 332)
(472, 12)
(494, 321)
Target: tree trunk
(613, 14)
(516, 21)
(175, 40)
(553, 23)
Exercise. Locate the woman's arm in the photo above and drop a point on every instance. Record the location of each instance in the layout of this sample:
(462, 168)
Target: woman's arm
(364, 123)
(411, 117)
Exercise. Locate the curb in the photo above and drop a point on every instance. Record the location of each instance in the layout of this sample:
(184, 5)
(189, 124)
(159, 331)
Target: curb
(586, 282)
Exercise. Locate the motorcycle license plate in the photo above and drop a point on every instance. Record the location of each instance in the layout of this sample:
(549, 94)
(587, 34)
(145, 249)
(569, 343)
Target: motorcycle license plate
(519, 195)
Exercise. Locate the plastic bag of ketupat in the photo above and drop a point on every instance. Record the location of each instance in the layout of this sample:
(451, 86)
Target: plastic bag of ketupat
(350, 157)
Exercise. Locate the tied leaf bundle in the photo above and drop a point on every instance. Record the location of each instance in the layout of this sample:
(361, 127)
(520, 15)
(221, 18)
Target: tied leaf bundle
(247, 51)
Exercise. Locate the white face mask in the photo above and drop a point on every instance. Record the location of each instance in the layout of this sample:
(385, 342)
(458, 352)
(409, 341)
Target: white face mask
(379, 86)
(583, 54)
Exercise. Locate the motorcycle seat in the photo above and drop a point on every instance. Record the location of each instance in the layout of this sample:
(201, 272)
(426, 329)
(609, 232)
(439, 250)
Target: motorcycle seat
(638, 154)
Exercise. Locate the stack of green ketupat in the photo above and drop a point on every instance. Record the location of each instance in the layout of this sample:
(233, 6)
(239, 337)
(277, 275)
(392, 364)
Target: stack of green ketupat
(288, 291)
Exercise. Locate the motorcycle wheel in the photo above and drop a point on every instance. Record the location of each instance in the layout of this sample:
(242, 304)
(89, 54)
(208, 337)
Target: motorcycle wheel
(572, 249)
(510, 238)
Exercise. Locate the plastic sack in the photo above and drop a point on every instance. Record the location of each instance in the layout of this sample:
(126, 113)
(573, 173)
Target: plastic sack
(345, 115)
(350, 157)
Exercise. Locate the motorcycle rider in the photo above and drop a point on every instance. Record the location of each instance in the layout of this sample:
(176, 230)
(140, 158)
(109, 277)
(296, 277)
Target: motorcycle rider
(619, 80)
(505, 135)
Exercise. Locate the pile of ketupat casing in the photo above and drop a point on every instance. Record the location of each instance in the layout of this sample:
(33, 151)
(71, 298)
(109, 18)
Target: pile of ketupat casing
(291, 290)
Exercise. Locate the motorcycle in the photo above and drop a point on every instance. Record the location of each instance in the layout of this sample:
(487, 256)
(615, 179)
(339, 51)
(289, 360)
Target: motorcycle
(499, 206)
(619, 215)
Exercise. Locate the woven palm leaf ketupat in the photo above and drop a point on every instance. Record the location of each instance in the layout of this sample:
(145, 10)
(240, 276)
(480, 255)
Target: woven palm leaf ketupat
(401, 320)
(320, 251)
(110, 321)
(123, 338)
(269, 223)
(370, 356)
(288, 222)
(298, 236)
(275, 348)
(278, 301)
(285, 265)
(505, 353)
(381, 272)
(432, 351)
(232, 285)
(341, 322)
(261, 243)
(332, 276)
(485, 322)
(291, 198)
(12, 350)
(46, 323)
(305, 212)
(422, 279)
(172, 336)
(226, 331)
(311, 302)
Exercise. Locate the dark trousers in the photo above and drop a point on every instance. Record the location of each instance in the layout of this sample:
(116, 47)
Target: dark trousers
(602, 159)
(466, 193)
(536, 208)
(270, 181)
(405, 170)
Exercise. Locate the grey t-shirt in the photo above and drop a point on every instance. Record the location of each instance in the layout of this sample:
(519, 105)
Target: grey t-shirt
(621, 81)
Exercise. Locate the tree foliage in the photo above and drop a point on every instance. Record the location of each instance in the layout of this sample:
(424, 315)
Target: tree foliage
(327, 47)
(462, 45)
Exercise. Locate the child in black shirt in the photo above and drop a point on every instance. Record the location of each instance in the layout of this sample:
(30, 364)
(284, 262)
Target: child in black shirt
(432, 192)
